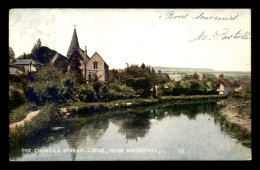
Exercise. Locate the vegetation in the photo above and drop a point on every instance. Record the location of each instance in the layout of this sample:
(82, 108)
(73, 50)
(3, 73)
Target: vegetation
(141, 79)
(11, 55)
(244, 93)
(50, 85)
(189, 86)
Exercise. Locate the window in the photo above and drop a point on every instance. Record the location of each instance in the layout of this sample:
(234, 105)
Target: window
(95, 66)
(89, 76)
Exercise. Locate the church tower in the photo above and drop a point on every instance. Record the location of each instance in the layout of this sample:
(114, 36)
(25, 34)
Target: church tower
(74, 45)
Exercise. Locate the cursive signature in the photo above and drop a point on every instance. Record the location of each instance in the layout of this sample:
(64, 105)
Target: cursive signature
(224, 34)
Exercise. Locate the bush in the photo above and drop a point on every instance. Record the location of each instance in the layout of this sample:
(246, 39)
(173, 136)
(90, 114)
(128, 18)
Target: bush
(50, 85)
(85, 93)
(141, 79)
(16, 97)
(189, 87)
(118, 91)
(17, 87)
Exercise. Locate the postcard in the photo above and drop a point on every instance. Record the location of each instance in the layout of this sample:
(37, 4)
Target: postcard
(94, 84)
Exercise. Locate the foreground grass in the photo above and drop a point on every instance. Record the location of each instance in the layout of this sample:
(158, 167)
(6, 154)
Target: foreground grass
(19, 113)
(48, 116)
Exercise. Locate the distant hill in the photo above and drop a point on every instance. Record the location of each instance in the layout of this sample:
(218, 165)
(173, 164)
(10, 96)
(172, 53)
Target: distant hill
(198, 70)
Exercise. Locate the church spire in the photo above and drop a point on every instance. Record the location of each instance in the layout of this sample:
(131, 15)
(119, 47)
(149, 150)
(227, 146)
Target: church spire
(74, 45)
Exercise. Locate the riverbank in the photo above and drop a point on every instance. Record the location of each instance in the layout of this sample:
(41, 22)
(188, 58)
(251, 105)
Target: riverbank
(51, 114)
(90, 108)
(235, 116)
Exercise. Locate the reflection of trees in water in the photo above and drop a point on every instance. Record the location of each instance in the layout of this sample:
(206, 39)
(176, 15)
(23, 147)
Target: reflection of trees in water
(134, 123)
(133, 126)
(89, 133)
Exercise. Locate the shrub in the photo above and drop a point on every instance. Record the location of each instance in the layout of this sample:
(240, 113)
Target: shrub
(85, 93)
(50, 85)
(141, 79)
(118, 91)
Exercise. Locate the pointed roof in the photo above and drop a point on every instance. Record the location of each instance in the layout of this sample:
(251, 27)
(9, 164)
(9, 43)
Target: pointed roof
(74, 45)
(96, 53)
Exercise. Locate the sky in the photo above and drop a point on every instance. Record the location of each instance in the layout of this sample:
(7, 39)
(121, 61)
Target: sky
(218, 39)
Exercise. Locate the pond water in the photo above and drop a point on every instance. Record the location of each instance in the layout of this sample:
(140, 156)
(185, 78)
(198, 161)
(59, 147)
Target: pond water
(158, 132)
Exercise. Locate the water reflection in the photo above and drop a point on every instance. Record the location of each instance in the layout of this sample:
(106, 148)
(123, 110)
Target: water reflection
(93, 129)
(133, 124)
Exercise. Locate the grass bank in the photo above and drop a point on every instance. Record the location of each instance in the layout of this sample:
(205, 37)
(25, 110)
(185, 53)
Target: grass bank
(90, 108)
(235, 118)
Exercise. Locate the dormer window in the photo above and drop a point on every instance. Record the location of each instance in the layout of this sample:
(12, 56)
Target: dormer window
(95, 65)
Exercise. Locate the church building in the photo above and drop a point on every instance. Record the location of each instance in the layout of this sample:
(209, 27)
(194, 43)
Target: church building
(90, 66)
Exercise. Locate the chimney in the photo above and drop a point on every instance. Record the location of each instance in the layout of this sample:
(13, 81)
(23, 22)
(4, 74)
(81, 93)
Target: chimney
(85, 54)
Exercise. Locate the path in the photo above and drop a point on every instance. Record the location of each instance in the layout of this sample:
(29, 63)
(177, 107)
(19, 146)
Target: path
(28, 118)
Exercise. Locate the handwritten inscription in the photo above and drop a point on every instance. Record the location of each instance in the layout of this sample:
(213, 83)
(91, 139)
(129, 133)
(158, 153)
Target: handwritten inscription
(202, 16)
(224, 34)
(173, 15)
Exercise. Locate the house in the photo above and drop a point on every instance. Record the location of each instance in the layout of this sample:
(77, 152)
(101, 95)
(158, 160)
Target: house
(163, 75)
(13, 70)
(192, 75)
(27, 65)
(90, 66)
(240, 85)
(225, 86)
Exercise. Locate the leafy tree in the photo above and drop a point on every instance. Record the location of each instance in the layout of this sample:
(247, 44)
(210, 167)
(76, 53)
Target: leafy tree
(113, 75)
(74, 68)
(141, 79)
(50, 85)
(11, 55)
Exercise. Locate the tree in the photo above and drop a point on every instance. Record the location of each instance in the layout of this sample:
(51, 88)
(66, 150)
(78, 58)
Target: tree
(11, 55)
(50, 85)
(39, 43)
(74, 68)
(141, 79)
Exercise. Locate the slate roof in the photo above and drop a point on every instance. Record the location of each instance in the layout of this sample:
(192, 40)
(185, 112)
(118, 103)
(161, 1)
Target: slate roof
(162, 74)
(27, 62)
(74, 44)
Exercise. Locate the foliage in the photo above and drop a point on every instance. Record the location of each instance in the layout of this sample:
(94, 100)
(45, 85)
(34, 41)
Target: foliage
(11, 55)
(17, 88)
(113, 75)
(101, 89)
(245, 92)
(118, 91)
(85, 93)
(141, 79)
(190, 86)
(74, 68)
(20, 112)
(50, 85)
